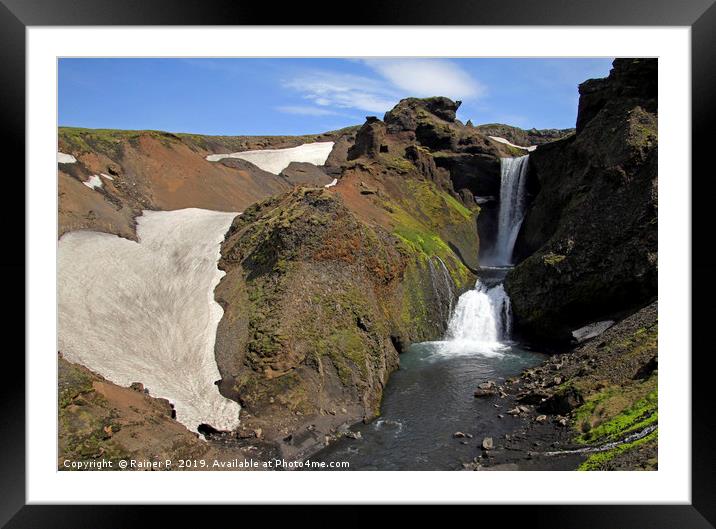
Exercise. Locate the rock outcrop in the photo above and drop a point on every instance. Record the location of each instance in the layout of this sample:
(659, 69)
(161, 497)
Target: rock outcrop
(523, 137)
(589, 240)
(318, 304)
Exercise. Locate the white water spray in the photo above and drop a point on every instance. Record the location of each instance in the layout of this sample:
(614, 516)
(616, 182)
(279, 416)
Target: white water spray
(482, 320)
(481, 323)
(512, 207)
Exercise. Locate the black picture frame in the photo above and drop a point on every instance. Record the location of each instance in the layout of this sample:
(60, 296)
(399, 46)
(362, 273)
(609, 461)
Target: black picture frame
(699, 15)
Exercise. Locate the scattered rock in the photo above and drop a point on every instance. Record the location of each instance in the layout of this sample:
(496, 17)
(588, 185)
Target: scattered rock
(484, 393)
(562, 402)
(541, 418)
(487, 443)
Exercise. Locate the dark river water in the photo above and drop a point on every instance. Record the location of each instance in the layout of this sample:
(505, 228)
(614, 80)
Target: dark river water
(425, 402)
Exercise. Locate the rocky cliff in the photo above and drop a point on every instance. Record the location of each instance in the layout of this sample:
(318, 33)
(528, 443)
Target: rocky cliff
(588, 243)
(325, 287)
(523, 137)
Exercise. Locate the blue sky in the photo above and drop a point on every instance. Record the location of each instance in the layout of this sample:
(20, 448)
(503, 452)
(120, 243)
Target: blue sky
(300, 96)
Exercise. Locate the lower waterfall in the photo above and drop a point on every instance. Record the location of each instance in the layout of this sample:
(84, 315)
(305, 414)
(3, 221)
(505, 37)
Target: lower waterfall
(481, 321)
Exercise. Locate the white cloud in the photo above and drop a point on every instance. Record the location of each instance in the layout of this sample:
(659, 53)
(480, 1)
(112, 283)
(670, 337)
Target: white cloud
(306, 110)
(428, 77)
(329, 89)
(394, 80)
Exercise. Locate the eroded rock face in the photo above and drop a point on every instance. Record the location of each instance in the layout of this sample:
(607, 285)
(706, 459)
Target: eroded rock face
(523, 137)
(589, 241)
(314, 302)
(368, 140)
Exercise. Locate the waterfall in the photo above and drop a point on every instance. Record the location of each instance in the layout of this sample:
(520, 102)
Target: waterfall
(513, 174)
(443, 287)
(481, 322)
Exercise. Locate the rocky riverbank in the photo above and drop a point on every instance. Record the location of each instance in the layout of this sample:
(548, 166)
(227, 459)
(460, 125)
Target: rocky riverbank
(573, 408)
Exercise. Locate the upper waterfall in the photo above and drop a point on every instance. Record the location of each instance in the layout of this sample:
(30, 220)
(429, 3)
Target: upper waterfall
(513, 179)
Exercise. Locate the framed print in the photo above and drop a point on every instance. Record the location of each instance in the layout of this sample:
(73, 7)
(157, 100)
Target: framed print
(422, 259)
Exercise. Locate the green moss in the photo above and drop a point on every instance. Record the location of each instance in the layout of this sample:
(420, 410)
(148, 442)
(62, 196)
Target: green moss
(457, 206)
(417, 224)
(553, 259)
(617, 411)
(106, 141)
(514, 151)
(597, 460)
(73, 384)
(414, 312)
(397, 163)
(432, 204)
(344, 347)
(422, 241)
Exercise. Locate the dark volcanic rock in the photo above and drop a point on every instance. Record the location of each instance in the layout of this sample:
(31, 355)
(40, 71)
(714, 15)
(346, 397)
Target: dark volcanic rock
(630, 79)
(589, 241)
(368, 140)
(523, 137)
(407, 114)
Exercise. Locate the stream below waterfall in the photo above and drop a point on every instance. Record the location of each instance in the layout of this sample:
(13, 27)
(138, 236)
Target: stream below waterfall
(430, 398)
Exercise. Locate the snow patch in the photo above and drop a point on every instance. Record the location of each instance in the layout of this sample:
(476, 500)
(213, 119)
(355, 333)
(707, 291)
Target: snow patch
(107, 176)
(276, 160)
(334, 182)
(94, 182)
(591, 331)
(65, 158)
(145, 311)
(506, 142)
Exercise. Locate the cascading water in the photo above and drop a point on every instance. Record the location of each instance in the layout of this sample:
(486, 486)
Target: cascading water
(481, 322)
(513, 173)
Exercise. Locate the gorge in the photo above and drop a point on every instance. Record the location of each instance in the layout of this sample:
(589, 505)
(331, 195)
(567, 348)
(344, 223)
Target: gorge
(400, 294)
